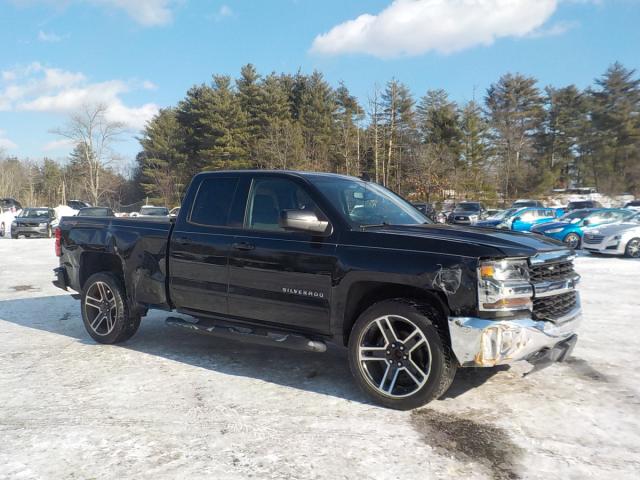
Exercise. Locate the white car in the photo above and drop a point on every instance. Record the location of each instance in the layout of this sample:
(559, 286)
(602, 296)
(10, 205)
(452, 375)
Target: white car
(616, 239)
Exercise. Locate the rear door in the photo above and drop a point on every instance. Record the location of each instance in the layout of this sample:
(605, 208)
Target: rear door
(280, 277)
(200, 244)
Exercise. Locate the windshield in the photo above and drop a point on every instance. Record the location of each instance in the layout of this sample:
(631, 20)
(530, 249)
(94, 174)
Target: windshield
(364, 203)
(468, 207)
(154, 211)
(93, 212)
(504, 214)
(35, 213)
(579, 215)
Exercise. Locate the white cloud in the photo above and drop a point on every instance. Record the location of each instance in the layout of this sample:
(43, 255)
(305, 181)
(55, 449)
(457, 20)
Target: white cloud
(37, 88)
(64, 145)
(145, 12)
(414, 27)
(149, 13)
(5, 143)
(559, 28)
(48, 37)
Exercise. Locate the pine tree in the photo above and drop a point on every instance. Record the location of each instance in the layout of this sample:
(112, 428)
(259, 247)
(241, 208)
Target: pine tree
(163, 162)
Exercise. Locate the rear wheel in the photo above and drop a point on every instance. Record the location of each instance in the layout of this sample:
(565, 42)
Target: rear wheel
(105, 312)
(633, 248)
(572, 240)
(398, 356)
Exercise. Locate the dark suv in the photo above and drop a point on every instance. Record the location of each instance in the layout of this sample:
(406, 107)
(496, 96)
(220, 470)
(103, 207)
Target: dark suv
(34, 222)
(468, 213)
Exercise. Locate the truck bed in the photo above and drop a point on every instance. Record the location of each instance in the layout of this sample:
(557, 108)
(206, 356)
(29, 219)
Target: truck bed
(136, 246)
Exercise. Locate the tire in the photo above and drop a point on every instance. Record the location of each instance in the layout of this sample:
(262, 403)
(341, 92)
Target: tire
(105, 312)
(14, 235)
(399, 356)
(572, 240)
(632, 250)
(3, 230)
(49, 232)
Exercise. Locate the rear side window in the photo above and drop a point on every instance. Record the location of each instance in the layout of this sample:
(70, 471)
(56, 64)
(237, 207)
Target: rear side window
(213, 201)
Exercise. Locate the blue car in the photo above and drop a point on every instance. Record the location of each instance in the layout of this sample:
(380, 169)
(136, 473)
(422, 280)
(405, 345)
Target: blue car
(570, 227)
(495, 220)
(523, 219)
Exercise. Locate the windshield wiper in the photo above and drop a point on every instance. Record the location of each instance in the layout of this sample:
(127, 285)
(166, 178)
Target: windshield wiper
(375, 225)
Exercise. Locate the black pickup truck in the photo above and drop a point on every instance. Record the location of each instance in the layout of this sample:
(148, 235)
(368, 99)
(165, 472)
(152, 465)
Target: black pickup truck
(301, 259)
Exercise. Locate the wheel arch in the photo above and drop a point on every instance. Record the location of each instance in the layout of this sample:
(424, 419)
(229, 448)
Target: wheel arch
(363, 294)
(95, 262)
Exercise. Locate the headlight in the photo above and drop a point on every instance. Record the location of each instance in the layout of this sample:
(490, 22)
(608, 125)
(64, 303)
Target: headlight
(14, 223)
(554, 230)
(618, 237)
(44, 224)
(503, 285)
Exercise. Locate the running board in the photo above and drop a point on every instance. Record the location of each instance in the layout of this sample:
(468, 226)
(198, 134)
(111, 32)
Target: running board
(244, 334)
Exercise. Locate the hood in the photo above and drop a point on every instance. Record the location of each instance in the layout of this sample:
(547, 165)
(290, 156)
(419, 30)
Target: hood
(32, 220)
(474, 241)
(489, 222)
(613, 229)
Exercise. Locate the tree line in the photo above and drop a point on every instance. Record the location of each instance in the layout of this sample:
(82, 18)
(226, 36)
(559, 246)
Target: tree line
(518, 140)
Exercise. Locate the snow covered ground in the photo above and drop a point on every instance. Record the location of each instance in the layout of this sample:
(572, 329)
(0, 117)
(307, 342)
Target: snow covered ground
(173, 404)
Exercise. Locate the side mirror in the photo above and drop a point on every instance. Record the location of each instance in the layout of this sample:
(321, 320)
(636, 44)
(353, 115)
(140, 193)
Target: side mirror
(516, 219)
(586, 222)
(302, 221)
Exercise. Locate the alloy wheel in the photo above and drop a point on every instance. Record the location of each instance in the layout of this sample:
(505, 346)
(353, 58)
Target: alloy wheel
(100, 308)
(394, 356)
(572, 240)
(633, 248)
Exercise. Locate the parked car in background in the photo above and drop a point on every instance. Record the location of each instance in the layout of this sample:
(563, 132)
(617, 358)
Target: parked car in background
(633, 205)
(616, 239)
(570, 228)
(10, 204)
(151, 211)
(426, 209)
(492, 212)
(7, 215)
(96, 212)
(34, 222)
(77, 204)
(467, 213)
(524, 219)
(522, 203)
(495, 220)
(174, 212)
(581, 204)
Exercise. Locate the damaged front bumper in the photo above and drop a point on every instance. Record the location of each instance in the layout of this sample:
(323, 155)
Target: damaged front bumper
(480, 342)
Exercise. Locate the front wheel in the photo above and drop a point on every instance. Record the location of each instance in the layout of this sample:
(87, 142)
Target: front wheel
(105, 312)
(398, 356)
(633, 248)
(572, 240)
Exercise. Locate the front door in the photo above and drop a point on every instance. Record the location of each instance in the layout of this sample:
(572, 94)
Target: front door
(280, 277)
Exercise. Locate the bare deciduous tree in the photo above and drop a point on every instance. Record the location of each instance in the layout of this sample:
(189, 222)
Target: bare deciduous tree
(92, 134)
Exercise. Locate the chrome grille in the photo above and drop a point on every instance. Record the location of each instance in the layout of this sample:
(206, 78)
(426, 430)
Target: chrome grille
(593, 239)
(545, 272)
(553, 308)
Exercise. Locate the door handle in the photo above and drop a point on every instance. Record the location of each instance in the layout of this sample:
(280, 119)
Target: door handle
(243, 246)
(184, 241)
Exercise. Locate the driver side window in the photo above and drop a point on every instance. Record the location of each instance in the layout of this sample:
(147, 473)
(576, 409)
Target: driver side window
(269, 197)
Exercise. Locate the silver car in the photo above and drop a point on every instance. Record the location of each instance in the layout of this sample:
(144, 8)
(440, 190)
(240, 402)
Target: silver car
(616, 239)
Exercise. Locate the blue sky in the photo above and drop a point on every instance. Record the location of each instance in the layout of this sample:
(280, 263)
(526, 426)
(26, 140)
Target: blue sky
(139, 55)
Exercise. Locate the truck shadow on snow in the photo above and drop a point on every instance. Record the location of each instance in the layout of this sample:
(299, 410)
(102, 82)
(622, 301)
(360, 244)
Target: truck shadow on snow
(326, 374)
